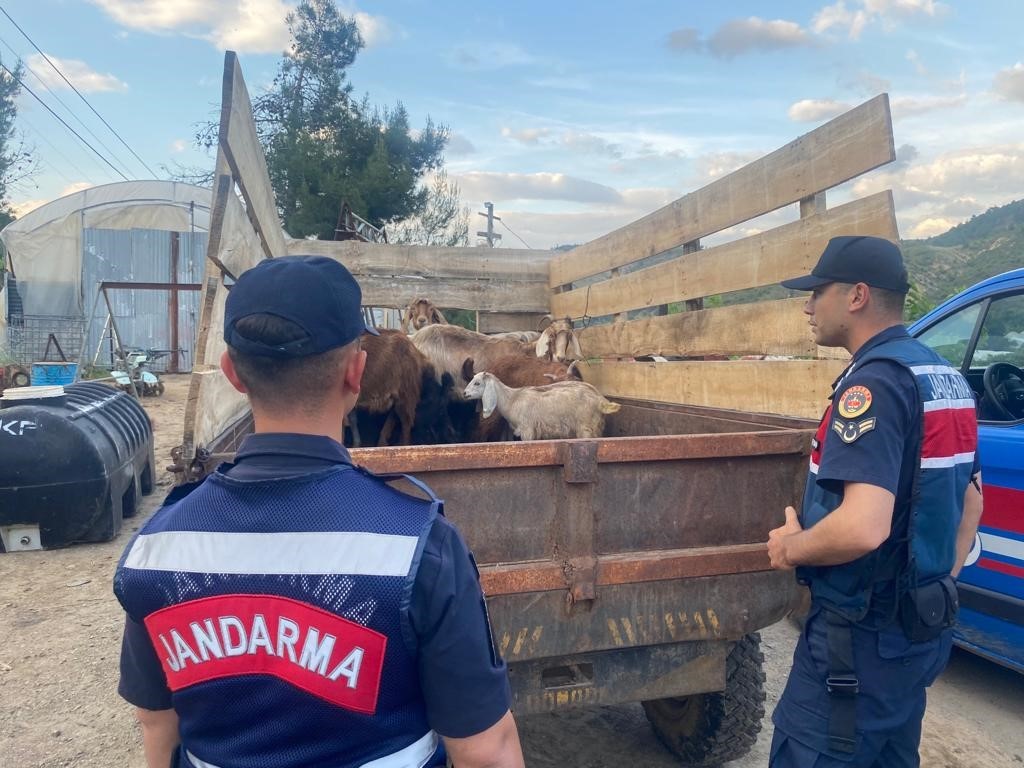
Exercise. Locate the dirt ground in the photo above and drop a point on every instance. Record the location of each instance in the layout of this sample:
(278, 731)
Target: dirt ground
(59, 642)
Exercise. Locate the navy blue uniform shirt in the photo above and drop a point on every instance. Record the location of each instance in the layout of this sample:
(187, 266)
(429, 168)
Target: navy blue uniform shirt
(464, 683)
(887, 455)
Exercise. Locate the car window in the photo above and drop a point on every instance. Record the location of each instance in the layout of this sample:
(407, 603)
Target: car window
(1002, 333)
(951, 335)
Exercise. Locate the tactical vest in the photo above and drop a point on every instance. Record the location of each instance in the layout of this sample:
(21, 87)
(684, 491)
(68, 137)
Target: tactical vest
(947, 440)
(277, 610)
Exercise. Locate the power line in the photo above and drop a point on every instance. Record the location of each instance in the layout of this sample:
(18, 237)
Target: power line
(60, 101)
(506, 226)
(65, 158)
(85, 100)
(63, 122)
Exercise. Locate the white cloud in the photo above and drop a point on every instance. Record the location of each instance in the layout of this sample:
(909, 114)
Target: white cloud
(755, 34)
(740, 36)
(78, 72)
(919, 67)
(486, 56)
(815, 110)
(931, 226)
(246, 26)
(485, 185)
(1009, 83)
(912, 106)
(581, 141)
(76, 186)
(458, 145)
(853, 19)
(526, 135)
(865, 83)
(374, 29)
(179, 145)
(712, 165)
(25, 207)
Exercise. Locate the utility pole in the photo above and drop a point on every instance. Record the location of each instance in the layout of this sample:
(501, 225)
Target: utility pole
(491, 218)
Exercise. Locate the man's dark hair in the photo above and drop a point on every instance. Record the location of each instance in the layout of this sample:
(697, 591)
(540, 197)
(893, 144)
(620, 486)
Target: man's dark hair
(284, 383)
(890, 302)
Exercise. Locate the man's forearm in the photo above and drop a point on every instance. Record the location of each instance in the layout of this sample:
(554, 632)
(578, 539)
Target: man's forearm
(159, 736)
(968, 525)
(497, 747)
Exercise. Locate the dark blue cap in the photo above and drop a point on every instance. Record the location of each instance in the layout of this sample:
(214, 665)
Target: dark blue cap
(316, 293)
(856, 259)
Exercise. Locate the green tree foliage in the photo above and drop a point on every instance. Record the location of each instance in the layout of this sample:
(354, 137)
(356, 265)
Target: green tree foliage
(16, 161)
(323, 146)
(443, 221)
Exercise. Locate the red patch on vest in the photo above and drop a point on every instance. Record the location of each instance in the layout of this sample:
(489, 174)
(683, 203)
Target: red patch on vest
(325, 655)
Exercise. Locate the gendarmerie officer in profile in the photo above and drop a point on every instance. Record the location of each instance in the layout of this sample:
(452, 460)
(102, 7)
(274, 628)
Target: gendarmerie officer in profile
(294, 609)
(891, 507)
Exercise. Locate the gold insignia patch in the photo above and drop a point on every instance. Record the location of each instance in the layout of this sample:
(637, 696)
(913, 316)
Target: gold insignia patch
(854, 402)
(849, 431)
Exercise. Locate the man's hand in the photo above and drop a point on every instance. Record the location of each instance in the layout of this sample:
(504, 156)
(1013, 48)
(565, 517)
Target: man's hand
(777, 540)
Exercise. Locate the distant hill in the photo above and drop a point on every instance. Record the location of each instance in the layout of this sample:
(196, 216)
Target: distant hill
(983, 246)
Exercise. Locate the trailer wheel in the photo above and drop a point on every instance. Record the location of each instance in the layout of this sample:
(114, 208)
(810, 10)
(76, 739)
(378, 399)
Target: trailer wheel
(709, 729)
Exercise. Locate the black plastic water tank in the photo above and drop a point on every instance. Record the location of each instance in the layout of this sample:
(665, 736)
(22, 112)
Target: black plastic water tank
(74, 460)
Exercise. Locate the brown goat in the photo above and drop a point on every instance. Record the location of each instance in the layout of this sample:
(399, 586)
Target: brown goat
(392, 382)
(558, 341)
(515, 371)
(420, 314)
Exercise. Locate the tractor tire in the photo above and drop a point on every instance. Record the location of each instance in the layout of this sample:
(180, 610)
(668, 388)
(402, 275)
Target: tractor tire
(709, 729)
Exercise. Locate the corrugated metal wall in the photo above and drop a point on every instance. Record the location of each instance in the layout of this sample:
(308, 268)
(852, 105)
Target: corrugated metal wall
(142, 316)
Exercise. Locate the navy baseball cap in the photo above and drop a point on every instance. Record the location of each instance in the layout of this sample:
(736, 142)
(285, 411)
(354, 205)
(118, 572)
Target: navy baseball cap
(856, 259)
(316, 293)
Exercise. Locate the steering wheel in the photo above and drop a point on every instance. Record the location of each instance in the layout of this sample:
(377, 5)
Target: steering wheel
(1004, 388)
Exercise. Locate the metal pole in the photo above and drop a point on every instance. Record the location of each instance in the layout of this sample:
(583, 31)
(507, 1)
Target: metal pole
(120, 348)
(173, 303)
(85, 337)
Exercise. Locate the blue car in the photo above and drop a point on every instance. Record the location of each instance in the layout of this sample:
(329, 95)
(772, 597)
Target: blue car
(981, 331)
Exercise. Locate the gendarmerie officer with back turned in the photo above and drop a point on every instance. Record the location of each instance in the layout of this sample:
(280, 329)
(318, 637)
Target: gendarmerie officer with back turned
(892, 503)
(294, 609)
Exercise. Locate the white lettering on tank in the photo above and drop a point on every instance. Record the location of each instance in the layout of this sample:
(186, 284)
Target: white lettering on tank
(185, 653)
(259, 638)
(287, 636)
(171, 659)
(227, 623)
(316, 655)
(207, 641)
(349, 667)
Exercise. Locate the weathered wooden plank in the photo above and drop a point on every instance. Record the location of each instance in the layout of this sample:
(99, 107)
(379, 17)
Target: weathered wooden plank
(497, 322)
(762, 328)
(245, 157)
(788, 387)
(427, 261)
(484, 295)
(761, 259)
(841, 149)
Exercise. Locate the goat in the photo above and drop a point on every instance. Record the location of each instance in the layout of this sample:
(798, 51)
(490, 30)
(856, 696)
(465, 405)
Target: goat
(514, 371)
(393, 382)
(517, 335)
(448, 346)
(565, 409)
(558, 341)
(420, 314)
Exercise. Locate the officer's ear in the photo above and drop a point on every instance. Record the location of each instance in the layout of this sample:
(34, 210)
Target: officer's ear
(228, 366)
(857, 297)
(353, 366)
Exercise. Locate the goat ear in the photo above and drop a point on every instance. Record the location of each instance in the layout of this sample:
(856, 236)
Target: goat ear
(576, 351)
(545, 322)
(549, 376)
(407, 317)
(543, 346)
(572, 369)
(437, 317)
(467, 368)
(490, 397)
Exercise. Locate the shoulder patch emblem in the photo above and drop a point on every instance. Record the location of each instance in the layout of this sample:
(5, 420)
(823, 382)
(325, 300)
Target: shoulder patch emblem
(854, 402)
(849, 431)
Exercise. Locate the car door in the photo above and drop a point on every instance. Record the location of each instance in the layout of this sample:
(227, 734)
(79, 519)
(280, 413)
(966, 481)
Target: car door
(973, 337)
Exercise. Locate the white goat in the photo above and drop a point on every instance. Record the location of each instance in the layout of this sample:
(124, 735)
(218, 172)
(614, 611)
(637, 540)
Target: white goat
(565, 409)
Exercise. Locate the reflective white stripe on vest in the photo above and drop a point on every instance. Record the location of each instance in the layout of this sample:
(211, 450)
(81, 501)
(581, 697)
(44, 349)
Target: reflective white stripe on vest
(918, 370)
(942, 405)
(415, 755)
(294, 552)
(943, 462)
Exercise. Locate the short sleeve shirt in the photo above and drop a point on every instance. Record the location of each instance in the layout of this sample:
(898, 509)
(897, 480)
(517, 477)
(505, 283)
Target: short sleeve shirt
(464, 683)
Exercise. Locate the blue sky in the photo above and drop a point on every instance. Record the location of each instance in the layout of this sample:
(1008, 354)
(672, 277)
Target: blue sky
(573, 118)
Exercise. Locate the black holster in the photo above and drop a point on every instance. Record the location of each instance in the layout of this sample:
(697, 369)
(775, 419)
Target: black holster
(929, 609)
